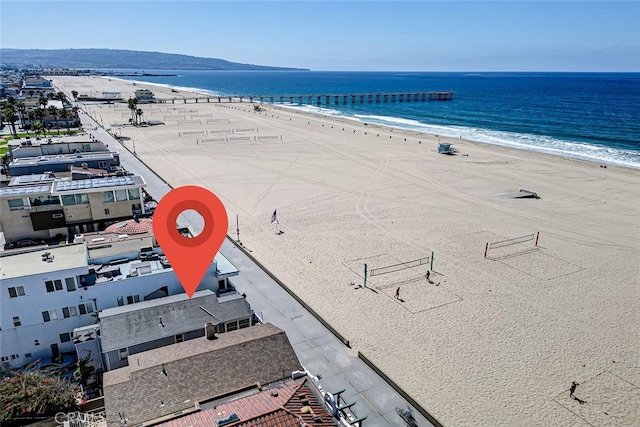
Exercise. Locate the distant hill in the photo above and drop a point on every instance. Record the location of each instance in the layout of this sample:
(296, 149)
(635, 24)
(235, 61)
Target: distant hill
(119, 59)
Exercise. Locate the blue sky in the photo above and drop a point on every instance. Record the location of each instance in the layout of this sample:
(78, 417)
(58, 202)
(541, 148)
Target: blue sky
(345, 35)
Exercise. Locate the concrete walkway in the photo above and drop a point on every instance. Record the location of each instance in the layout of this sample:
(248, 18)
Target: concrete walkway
(316, 347)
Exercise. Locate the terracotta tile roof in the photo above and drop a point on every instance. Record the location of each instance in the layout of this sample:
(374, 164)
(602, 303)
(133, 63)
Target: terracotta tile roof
(129, 226)
(278, 406)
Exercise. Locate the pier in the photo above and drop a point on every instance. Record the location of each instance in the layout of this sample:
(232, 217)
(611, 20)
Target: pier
(353, 98)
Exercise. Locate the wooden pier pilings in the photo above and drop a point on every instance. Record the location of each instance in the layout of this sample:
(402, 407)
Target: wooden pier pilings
(353, 98)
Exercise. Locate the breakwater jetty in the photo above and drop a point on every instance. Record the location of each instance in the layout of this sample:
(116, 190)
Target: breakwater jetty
(316, 99)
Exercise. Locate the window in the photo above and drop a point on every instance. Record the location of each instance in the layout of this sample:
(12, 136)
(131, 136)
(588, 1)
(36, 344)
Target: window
(134, 193)
(106, 212)
(53, 285)
(244, 323)
(50, 315)
(16, 321)
(123, 353)
(68, 200)
(179, 338)
(75, 199)
(36, 342)
(17, 204)
(102, 164)
(65, 337)
(69, 311)
(27, 355)
(107, 197)
(121, 195)
(71, 284)
(15, 356)
(232, 326)
(86, 308)
(130, 299)
(44, 200)
(17, 291)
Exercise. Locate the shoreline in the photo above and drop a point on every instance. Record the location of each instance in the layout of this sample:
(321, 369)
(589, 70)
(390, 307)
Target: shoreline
(501, 338)
(493, 138)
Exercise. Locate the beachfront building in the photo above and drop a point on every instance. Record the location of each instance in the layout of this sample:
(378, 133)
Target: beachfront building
(132, 328)
(107, 161)
(45, 206)
(34, 84)
(55, 145)
(178, 379)
(144, 95)
(47, 293)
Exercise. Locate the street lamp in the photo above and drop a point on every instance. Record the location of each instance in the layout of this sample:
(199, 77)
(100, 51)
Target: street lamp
(134, 146)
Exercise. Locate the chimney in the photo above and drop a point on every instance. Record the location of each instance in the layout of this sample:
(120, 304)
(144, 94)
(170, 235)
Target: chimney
(210, 330)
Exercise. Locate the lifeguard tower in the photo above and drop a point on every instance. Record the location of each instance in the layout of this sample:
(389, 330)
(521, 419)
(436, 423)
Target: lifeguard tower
(446, 148)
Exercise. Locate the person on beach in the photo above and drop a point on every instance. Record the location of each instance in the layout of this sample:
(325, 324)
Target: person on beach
(573, 388)
(427, 275)
(397, 296)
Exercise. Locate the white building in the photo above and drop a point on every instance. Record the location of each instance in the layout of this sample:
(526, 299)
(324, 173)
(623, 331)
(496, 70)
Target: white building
(46, 293)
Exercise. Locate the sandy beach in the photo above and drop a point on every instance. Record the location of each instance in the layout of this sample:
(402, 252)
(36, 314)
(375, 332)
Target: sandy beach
(491, 341)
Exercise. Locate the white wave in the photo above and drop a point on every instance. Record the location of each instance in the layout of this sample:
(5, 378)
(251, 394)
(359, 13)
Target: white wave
(530, 142)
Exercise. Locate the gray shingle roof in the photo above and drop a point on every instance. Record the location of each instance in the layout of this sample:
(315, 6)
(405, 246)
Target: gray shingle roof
(196, 370)
(133, 324)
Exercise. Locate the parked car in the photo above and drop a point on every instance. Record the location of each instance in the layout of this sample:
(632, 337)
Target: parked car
(24, 243)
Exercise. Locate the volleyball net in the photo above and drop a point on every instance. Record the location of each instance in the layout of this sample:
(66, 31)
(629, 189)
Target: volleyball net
(513, 241)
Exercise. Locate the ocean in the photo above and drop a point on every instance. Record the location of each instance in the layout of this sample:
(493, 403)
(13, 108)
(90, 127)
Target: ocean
(589, 116)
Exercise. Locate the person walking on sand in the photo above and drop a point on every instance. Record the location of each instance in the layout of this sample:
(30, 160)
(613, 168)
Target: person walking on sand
(573, 388)
(397, 296)
(427, 275)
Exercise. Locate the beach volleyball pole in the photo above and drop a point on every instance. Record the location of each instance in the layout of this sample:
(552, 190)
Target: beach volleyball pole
(365, 275)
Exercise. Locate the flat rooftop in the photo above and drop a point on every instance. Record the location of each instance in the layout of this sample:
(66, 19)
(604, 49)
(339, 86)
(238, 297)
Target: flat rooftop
(28, 263)
(53, 141)
(62, 158)
(38, 184)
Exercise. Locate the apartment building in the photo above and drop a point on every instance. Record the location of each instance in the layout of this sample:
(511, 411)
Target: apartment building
(45, 206)
(47, 293)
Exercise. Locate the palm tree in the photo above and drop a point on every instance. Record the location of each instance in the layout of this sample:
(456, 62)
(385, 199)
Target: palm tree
(53, 110)
(22, 110)
(62, 97)
(139, 113)
(42, 100)
(74, 110)
(37, 127)
(133, 104)
(64, 115)
(74, 93)
(9, 114)
(40, 116)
